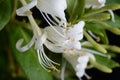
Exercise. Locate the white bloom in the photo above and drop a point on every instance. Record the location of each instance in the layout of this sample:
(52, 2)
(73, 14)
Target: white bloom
(79, 61)
(38, 39)
(53, 7)
(95, 3)
(69, 42)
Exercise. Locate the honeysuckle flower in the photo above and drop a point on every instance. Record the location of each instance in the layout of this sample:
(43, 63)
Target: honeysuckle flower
(79, 61)
(55, 8)
(38, 39)
(69, 42)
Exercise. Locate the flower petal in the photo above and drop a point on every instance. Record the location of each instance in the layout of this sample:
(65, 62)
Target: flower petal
(80, 73)
(54, 36)
(26, 47)
(21, 11)
(52, 47)
(40, 41)
(95, 3)
(53, 7)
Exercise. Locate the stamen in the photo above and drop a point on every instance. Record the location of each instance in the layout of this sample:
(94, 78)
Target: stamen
(87, 76)
(45, 62)
(41, 62)
(94, 36)
(61, 23)
(63, 70)
(112, 15)
(54, 68)
(50, 20)
(51, 25)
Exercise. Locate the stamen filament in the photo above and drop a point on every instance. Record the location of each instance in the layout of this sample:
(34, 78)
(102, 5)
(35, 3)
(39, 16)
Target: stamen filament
(51, 25)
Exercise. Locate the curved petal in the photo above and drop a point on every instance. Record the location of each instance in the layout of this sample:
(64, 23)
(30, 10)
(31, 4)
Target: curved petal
(21, 11)
(26, 47)
(95, 3)
(54, 36)
(52, 47)
(40, 41)
(112, 15)
(80, 73)
(79, 27)
(77, 31)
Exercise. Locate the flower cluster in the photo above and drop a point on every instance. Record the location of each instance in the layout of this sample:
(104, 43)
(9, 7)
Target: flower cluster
(60, 36)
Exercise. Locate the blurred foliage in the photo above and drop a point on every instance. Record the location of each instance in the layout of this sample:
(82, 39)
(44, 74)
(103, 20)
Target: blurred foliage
(25, 66)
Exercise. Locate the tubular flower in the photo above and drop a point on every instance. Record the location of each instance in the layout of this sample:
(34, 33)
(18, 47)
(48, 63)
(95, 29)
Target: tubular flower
(79, 61)
(69, 42)
(38, 39)
(55, 8)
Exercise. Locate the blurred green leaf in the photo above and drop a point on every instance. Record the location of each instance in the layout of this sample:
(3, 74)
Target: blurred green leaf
(100, 16)
(112, 1)
(5, 12)
(116, 23)
(28, 60)
(102, 9)
(75, 9)
(107, 62)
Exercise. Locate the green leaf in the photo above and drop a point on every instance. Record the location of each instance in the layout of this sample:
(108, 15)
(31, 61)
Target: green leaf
(100, 16)
(75, 9)
(100, 66)
(5, 13)
(112, 1)
(28, 60)
(103, 9)
(113, 29)
(116, 23)
(107, 62)
(113, 48)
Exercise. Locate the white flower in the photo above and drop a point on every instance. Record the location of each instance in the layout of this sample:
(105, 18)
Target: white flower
(53, 7)
(38, 39)
(95, 3)
(69, 42)
(79, 61)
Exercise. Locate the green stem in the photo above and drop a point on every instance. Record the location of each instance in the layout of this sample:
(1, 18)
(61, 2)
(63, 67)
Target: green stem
(100, 67)
(35, 27)
(96, 45)
(107, 26)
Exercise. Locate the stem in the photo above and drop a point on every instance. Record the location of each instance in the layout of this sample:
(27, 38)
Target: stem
(100, 67)
(35, 27)
(14, 11)
(96, 45)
